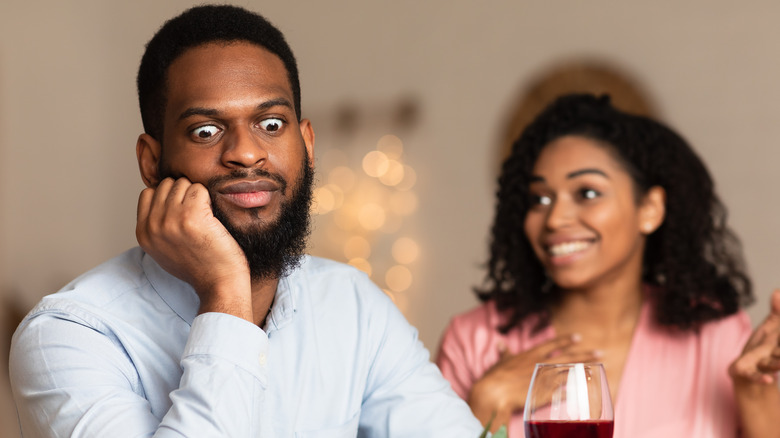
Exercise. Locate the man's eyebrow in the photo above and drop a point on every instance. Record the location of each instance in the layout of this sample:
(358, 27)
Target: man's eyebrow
(210, 112)
(280, 101)
(576, 173)
(198, 111)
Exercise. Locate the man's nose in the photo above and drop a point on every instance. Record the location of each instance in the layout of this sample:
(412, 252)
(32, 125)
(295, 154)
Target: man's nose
(243, 148)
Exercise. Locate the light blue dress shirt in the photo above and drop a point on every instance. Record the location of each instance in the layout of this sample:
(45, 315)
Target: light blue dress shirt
(121, 352)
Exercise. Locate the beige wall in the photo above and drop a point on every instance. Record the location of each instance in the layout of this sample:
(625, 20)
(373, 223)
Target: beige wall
(68, 120)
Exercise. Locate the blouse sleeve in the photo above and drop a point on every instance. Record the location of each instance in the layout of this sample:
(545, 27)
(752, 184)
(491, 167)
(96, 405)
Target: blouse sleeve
(452, 358)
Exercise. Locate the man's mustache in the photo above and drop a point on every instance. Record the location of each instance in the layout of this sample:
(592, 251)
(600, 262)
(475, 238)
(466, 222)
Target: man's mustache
(236, 174)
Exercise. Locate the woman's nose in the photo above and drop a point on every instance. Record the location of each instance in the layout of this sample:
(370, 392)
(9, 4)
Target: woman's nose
(560, 214)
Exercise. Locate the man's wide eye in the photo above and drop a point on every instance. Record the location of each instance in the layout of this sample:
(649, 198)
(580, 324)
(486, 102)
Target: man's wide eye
(271, 125)
(205, 132)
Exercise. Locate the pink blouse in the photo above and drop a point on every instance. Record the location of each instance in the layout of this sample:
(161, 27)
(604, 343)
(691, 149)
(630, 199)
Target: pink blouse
(672, 385)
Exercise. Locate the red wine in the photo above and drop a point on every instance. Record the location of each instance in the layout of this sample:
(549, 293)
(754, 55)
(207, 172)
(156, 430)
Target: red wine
(568, 429)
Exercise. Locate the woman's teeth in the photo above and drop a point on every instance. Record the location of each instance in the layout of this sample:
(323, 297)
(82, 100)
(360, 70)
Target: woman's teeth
(568, 248)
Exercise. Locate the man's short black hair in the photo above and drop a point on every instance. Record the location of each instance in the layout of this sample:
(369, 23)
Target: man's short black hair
(194, 27)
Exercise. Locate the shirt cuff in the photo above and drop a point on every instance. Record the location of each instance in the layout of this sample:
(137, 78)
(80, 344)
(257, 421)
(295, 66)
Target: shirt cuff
(229, 338)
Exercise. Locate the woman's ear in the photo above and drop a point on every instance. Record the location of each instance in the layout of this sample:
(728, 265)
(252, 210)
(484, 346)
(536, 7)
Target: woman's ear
(147, 150)
(652, 210)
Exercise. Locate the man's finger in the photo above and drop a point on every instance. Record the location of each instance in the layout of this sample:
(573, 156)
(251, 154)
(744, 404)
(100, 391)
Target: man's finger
(177, 193)
(160, 197)
(144, 204)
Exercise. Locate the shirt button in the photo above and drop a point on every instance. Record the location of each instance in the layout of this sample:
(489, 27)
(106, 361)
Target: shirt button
(262, 359)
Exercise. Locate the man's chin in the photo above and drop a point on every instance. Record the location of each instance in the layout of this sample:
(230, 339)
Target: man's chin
(256, 228)
(247, 220)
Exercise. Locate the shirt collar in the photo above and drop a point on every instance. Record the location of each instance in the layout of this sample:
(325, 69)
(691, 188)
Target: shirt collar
(285, 301)
(183, 300)
(177, 294)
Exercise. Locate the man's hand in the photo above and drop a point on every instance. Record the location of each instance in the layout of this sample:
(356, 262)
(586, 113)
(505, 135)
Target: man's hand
(503, 388)
(177, 227)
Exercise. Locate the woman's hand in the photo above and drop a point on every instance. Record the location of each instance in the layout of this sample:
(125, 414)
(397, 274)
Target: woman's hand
(754, 374)
(503, 388)
(760, 359)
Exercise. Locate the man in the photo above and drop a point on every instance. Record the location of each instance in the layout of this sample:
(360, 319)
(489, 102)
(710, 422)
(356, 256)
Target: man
(218, 325)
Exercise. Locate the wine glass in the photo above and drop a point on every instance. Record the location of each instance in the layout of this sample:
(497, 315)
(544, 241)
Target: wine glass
(567, 400)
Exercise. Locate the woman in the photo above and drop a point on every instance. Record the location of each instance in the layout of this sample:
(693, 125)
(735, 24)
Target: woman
(610, 245)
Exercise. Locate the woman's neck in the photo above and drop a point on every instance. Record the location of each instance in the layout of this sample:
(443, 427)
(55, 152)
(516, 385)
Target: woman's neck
(606, 308)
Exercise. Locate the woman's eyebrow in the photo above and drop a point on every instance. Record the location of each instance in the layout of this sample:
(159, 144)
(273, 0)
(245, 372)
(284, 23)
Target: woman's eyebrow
(570, 175)
(581, 172)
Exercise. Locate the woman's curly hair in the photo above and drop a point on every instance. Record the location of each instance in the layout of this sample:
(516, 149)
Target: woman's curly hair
(693, 258)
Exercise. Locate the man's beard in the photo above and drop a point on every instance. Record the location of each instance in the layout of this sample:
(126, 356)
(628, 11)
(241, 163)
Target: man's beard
(272, 248)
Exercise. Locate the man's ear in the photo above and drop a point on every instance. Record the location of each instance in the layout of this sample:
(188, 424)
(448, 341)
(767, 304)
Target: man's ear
(307, 132)
(148, 151)
(652, 210)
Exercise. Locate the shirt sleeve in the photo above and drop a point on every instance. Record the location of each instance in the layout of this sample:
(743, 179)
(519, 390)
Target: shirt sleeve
(406, 394)
(70, 378)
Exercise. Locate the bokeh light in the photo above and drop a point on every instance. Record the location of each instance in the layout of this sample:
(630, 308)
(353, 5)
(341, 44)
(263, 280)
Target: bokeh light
(346, 217)
(375, 164)
(342, 176)
(394, 173)
(398, 278)
(324, 201)
(361, 264)
(410, 179)
(371, 216)
(391, 146)
(405, 250)
(357, 247)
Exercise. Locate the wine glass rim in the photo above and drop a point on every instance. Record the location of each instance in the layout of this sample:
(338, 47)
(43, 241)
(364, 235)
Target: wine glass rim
(569, 364)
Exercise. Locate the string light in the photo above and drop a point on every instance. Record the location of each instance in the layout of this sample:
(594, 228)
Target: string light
(362, 210)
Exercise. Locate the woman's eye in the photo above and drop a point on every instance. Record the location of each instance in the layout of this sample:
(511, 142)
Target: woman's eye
(541, 200)
(205, 132)
(589, 194)
(271, 125)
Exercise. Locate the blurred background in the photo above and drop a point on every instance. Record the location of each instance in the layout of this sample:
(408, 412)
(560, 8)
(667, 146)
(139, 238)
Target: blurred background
(412, 103)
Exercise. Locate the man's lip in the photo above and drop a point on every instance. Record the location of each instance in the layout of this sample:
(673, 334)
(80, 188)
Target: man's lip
(250, 187)
(250, 194)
